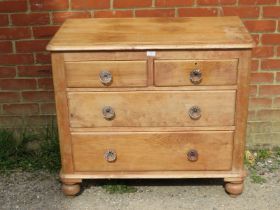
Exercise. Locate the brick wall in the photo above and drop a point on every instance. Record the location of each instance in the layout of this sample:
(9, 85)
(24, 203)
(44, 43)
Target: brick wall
(26, 26)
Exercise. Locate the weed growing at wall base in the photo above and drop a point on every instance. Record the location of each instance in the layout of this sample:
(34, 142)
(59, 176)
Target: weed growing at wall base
(15, 153)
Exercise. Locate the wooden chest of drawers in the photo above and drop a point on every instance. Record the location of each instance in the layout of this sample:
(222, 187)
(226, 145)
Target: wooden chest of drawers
(152, 98)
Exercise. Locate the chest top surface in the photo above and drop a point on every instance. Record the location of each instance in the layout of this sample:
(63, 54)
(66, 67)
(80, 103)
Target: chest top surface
(151, 33)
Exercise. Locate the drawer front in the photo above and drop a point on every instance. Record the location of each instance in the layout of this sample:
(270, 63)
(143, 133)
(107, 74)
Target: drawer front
(151, 108)
(211, 150)
(195, 72)
(106, 74)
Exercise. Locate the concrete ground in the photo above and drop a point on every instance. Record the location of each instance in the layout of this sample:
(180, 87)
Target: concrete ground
(40, 190)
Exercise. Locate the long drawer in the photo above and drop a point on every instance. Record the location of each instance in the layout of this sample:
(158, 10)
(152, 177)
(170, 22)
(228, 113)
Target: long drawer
(150, 151)
(151, 108)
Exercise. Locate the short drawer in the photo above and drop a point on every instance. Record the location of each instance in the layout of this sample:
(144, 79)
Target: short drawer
(106, 74)
(195, 72)
(151, 151)
(151, 108)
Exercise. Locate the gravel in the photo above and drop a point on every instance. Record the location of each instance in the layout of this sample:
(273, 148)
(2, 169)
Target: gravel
(40, 190)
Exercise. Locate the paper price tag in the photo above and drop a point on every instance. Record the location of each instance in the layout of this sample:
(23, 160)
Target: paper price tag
(151, 53)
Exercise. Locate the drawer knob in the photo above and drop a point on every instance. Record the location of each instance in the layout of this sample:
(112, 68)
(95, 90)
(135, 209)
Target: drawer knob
(106, 77)
(192, 155)
(196, 76)
(108, 113)
(195, 112)
(110, 156)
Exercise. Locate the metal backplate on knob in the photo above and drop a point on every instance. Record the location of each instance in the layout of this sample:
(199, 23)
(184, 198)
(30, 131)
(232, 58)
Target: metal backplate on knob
(192, 155)
(195, 112)
(106, 77)
(110, 156)
(196, 76)
(108, 113)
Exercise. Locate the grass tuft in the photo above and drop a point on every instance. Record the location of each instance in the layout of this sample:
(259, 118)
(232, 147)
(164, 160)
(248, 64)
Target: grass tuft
(263, 154)
(255, 178)
(117, 187)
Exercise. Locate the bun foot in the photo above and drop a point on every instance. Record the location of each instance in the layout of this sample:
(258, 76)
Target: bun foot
(71, 189)
(234, 188)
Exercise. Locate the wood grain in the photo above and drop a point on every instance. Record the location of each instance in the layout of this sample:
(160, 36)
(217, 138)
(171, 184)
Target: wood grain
(242, 99)
(151, 33)
(59, 81)
(153, 175)
(153, 88)
(124, 73)
(152, 151)
(177, 72)
(128, 55)
(151, 109)
(154, 129)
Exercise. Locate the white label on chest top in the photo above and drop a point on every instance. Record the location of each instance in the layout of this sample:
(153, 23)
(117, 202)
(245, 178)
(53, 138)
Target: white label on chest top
(151, 53)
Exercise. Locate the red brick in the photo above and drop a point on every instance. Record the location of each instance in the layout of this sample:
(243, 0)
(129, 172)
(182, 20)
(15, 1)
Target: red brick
(48, 108)
(261, 77)
(31, 46)
(271, 12)
(44, 31)
(255, 65)
(6, 97)
(13, 6)
(132, 3)
(268, 115)
(271, 64)
(256, 38)
(260, 103)
(269, 90)
(278, 51)
(60, 17)
(276, 102)
(4, 20)
(215, 2)
(278, 77)
(17, 84)
(21, 109)
(6, 47)
(113, 13)
(173, 3)
(7, 72)
(90, 4)
(253, 90)
(155, 13)
(14, 33)
(251, 115)
(271, 38)
(37, 96)
(39, 5)
(263, 52)
(254, 2)
(30, 19)
(46, 83)
(43, 58)
(196, 12)
(243, 12)
(10, 59)
(260, 25)
(39, 121)
(224, 2)
(207, 2)
(34, 71)
(10, 122)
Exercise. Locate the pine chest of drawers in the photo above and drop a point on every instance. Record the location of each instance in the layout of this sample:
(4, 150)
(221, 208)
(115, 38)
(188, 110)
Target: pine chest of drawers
(152, 98)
